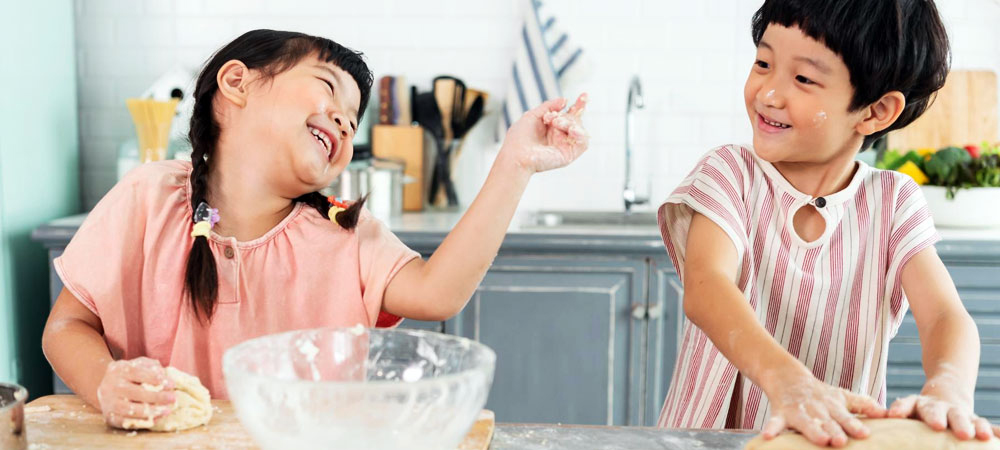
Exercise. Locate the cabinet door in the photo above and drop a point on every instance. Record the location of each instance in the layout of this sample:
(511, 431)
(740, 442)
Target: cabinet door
(665, 315)
(979, 288)
(564, 335)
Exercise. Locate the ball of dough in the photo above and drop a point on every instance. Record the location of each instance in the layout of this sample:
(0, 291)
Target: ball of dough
(885, 433)
(192, 408)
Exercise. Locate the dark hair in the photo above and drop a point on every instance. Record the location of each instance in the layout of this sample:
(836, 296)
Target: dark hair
(887, 45)
(270, 52)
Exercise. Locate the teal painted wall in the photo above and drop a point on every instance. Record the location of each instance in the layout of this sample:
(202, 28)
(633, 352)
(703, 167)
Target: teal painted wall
(6, 309)
(39, 178)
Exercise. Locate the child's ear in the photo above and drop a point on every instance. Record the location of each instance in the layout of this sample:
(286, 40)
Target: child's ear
(233, 78)
(881, 114)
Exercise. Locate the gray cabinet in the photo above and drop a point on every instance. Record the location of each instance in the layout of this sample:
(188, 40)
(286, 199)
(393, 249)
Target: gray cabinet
(979, 288)
(664, 314)
(569, 346)
(581, 339)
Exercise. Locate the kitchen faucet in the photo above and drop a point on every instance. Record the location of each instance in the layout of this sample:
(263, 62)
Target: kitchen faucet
(634, 102)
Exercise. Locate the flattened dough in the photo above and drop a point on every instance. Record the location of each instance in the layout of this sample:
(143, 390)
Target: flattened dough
(193, 407)
(885, 433)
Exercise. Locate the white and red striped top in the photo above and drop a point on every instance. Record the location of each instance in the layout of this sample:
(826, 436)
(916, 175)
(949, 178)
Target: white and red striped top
(833, 303)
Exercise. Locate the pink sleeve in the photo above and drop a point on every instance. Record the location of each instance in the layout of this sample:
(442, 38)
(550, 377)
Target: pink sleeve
(382, 255)
(713, 189)
(102, 263)
(912, 226)
(912, 231)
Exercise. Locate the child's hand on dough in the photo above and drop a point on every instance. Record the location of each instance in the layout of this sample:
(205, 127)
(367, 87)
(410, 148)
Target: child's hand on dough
(941, 409)
(824, 414)
(122, 396)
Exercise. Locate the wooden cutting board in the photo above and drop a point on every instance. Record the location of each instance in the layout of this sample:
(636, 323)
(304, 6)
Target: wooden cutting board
(404, 143)
(481, 434)
(965, 112)
(66, 422)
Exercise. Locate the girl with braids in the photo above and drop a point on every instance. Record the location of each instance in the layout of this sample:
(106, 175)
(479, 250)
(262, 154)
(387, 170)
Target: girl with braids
(155, 276)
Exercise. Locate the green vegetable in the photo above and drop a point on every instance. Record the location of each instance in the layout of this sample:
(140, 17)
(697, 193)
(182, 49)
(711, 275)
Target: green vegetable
(987, 169)
(950, 167)
(988, 148)
(909, 156)
(888, 161)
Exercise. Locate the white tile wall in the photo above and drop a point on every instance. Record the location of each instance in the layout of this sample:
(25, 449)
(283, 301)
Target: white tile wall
(692, 57)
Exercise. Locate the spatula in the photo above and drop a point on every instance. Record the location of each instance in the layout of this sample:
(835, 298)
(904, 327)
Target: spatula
(444, 94)
(475, 102)
(427, 113)
(458, 111)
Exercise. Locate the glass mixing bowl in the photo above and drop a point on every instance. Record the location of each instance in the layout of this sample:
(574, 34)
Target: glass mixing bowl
(358, 388)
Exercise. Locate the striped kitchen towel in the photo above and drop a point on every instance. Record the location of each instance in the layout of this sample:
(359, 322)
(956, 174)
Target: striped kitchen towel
(544, 62)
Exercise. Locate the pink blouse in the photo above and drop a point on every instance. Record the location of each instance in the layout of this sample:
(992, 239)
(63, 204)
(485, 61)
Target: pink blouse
(127, 262)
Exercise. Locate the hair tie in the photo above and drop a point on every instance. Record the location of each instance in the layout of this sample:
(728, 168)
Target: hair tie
(204, 218)
(336, 206)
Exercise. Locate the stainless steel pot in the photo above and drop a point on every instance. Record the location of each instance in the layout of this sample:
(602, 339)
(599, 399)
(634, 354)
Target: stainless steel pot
(12, 434)
(381, 179)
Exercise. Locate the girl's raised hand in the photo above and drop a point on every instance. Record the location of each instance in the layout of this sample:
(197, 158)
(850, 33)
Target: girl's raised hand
(547, 137)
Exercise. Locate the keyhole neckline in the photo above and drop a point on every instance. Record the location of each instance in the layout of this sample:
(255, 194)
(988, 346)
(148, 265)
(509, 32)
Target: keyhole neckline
(778, 180)
(828, 225)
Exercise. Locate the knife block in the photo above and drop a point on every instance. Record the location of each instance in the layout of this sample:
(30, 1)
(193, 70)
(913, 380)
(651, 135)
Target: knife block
(404, 143)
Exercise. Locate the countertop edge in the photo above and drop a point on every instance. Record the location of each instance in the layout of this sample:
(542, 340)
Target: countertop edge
(628, 240)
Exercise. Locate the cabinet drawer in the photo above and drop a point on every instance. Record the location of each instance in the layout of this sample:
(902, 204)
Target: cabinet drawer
(975, 277)
(987, 323)
(979, 289)
(908, 354)
(905, 376)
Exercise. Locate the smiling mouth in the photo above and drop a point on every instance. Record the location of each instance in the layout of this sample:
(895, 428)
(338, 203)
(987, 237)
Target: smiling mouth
(773, 123)
(324, 139)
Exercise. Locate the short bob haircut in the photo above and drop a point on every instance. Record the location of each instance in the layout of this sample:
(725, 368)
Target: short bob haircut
(887, 45)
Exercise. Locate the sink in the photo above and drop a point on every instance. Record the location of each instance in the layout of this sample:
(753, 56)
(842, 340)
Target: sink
(590, 219)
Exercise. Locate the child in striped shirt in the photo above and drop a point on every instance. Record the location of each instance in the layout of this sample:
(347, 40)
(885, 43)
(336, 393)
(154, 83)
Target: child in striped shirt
(799, 262)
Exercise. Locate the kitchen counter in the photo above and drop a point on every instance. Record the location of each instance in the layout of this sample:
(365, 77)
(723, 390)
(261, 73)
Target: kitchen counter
(523, 234)
(426, 230)
(65, 421)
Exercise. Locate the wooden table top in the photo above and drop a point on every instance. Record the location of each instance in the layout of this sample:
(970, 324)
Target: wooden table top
(67, 422)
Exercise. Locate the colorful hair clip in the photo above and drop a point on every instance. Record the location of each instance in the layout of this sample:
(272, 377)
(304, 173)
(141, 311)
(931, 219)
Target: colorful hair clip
(336, 206)
(204, 218)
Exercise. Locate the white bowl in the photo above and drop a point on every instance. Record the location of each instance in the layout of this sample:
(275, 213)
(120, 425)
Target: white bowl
(355, 388)
(970, 208)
